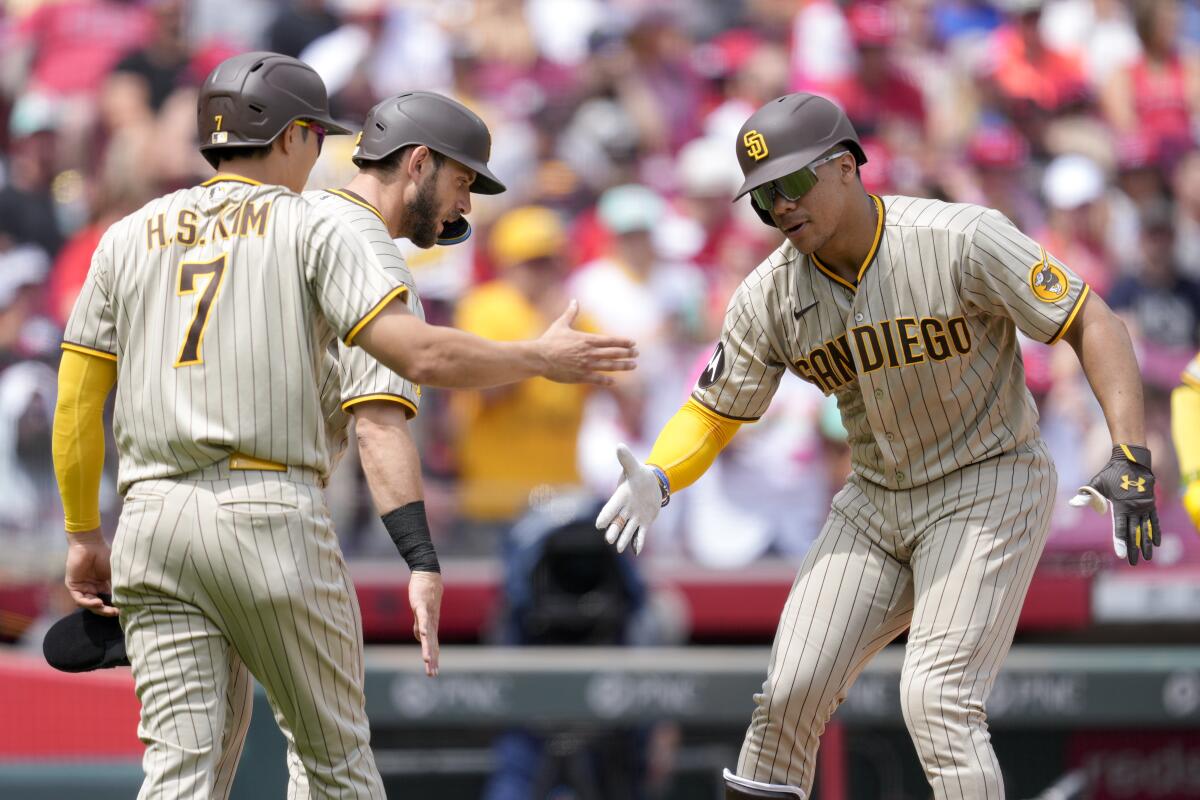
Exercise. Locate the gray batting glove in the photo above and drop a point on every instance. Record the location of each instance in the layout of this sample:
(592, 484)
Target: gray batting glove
(629, 513)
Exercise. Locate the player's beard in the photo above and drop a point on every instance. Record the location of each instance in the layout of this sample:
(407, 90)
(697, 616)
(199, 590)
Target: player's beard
(424, 221)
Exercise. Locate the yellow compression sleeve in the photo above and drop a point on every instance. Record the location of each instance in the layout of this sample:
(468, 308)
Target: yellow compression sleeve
(689, 442)
(84, 382)
(1185, 427)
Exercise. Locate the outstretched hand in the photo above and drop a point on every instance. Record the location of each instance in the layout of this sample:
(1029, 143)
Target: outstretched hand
(573, 356)
(628, 514)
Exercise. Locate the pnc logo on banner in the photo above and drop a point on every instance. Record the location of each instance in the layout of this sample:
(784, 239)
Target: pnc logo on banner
(756, 145)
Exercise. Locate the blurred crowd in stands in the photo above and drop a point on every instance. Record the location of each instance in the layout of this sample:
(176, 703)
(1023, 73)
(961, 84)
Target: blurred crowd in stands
(614, 126)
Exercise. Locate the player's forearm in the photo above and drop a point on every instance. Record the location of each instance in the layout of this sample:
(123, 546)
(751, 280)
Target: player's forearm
(1105, 351)
(433, 355)
(389, 456)
(393, 469)
(78, 438)
(689, 444)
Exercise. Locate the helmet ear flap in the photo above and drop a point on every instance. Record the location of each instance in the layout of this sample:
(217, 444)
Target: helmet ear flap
(764, 215)
(455, 232)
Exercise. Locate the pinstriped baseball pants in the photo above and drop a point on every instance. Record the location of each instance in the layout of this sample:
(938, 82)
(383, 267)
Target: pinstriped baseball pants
(221, 574)
(239, 709)
(951, 561)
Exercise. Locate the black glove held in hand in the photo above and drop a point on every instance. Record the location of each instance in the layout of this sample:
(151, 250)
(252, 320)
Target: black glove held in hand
(1126, 487)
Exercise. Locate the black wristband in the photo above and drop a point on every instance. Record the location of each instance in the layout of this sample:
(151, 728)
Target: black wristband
(410, 533)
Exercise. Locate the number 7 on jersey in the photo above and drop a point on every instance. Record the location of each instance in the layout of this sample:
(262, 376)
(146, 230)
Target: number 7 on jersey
(190, 273)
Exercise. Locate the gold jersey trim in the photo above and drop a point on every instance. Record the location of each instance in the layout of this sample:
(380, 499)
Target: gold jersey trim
(870, 259)
(229, 176)
(1071, 317)
(88, 351)
(350, 197)
(399, 291)
(721, 414)
(391, 398)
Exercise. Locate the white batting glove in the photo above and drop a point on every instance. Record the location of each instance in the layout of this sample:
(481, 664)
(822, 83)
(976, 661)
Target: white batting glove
(1088, 497)
(629, 513)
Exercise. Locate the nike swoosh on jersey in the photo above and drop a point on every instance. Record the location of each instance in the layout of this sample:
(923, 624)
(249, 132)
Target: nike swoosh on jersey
(798, 313)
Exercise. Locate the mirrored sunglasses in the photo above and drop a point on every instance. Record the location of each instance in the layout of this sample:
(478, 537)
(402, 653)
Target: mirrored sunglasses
(792, 186)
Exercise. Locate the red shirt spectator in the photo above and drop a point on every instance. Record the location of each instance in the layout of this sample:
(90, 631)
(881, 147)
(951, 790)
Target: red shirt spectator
(1159, 99)
(76, 43)
(1160, 92)
(1026, 71)
(877, 91)
(870, 104)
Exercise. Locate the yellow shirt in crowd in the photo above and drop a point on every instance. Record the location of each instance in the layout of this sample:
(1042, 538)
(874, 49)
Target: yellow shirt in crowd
(512, 440)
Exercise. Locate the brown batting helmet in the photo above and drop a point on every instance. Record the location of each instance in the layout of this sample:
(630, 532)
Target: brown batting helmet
(443, 125)
(786, 135)
(250, 99)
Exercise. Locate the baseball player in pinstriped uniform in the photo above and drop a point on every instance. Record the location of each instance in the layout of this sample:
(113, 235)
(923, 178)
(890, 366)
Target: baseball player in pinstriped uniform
(907, 311)
(359, 386)
(211, 309)
(405, 143)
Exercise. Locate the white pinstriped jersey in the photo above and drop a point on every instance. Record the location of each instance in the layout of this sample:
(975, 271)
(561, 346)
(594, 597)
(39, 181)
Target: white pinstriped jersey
(921, 353)
(218, 304)
(363, 378)
(337, 420)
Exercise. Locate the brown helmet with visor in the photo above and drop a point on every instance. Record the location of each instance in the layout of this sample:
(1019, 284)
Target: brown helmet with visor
(782, 143)
(249, 99)
(443, 125)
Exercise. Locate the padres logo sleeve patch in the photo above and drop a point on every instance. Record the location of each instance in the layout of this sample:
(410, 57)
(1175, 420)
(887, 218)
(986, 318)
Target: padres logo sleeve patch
(1048, 282)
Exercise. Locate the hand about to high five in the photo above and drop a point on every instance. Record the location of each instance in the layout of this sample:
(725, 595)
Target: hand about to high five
(573, 356)
(628, 514)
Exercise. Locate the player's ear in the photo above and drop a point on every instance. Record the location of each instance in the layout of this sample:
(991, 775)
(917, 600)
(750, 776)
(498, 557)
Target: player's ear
(847, 167)
(288, 140)
(418, 162)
